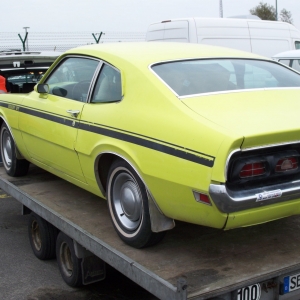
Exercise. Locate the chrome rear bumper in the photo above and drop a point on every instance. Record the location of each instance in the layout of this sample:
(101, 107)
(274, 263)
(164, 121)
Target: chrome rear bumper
(229, 201)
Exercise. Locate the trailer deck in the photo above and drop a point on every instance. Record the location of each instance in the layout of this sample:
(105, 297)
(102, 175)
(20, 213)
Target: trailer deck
(192, 262)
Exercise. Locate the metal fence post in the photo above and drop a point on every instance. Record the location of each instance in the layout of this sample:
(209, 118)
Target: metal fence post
(97, 39)
(23, 41)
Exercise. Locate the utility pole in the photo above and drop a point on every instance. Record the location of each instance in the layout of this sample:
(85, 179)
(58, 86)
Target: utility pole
(221, 8)
(26, 37)
(276, 12)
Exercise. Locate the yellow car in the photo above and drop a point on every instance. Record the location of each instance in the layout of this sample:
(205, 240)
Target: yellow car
(164, 132)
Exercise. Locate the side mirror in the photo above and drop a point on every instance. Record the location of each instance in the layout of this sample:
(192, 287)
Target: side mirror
(43, 88)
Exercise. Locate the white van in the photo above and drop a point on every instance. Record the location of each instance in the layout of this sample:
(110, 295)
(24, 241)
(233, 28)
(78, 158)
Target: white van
(253, 35)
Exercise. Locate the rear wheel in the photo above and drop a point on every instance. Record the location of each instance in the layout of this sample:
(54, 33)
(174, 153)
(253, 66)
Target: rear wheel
(13, 166)
(128, 206)
(69, 264)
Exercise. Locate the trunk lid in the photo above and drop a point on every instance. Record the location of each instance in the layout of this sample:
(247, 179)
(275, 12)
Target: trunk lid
(263, 117)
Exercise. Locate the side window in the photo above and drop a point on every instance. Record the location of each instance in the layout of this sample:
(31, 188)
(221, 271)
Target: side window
(108, 86)
(72, 78)
(297, 45)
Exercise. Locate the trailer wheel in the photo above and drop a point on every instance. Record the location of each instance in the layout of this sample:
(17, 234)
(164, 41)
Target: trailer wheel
(69, 264)
(128, 206)
(42, 237)
(13, 166)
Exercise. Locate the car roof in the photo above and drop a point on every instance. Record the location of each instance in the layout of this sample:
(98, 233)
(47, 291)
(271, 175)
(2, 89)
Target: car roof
(151, 52)
(288, 54)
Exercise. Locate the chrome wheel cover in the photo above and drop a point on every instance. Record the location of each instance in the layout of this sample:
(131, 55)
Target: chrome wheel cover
(7, 149)
(127, 201)
(66, 259)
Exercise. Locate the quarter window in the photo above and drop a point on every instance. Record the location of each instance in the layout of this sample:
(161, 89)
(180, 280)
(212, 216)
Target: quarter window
(108, 86)
(72, 78)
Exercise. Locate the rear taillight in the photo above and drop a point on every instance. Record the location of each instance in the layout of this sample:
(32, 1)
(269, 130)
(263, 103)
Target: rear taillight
(286, 164)
(261, 166)
(253, 169)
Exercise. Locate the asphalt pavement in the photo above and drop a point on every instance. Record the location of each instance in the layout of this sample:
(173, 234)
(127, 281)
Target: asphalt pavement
(24, 277)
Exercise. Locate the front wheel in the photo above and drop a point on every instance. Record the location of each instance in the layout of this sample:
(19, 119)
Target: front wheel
(128, 206)
(13, 166)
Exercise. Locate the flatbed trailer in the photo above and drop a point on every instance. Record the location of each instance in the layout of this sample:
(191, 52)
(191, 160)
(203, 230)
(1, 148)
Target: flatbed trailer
(192, 262)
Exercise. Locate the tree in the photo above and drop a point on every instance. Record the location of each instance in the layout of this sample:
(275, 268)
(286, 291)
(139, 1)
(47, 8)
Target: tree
(286, 16)
(264, 11)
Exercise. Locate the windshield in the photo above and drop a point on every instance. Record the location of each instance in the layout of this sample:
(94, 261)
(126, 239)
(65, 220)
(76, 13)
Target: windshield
(192, 77)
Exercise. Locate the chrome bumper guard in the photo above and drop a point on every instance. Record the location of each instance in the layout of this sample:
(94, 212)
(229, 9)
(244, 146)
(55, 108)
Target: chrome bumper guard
(229, 201)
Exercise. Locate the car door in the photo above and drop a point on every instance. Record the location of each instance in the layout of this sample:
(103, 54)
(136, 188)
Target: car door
(49, 122)
(99, 115)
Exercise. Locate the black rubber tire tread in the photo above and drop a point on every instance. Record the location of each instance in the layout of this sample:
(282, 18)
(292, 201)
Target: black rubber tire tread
(19, 167)
(75, 280)
(144, 236)
(48, 234)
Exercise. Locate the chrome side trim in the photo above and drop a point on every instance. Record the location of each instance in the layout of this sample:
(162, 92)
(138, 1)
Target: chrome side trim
(93, 81)
(227, 161)
(271, 145)
(238, 91)
(229, 201)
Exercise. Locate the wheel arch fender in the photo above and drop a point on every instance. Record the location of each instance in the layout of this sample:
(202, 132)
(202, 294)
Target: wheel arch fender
(2, 120)
(159, 222)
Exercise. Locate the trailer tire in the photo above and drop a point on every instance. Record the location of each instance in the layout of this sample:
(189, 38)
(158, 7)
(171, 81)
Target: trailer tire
(69, 264)
(128, 206)
(42, 237)
(13, 166)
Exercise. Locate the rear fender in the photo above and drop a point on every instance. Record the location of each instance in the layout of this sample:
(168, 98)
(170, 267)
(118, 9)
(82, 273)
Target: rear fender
(159, 222)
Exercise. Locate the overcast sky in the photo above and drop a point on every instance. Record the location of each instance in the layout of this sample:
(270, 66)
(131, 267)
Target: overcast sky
(119, 15)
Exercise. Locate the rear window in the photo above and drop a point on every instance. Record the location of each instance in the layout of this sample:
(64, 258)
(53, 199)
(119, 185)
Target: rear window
(193, 77)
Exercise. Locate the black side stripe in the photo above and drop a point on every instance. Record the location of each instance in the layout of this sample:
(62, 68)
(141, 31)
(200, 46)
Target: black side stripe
(47, 116)
(127, 137)
(148, 144)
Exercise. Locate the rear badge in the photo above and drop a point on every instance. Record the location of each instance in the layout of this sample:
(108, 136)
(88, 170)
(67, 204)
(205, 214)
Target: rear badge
(268, 195)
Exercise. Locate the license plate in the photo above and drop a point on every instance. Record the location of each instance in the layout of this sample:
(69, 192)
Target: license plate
(251, 292)
(291, 283)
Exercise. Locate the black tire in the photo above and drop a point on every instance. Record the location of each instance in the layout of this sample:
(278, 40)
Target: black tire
(128, 206)
(42, 237)
(13, 166)
(69, 264)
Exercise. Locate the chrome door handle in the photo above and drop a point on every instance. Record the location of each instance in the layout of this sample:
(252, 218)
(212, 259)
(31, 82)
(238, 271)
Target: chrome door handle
(73, 113)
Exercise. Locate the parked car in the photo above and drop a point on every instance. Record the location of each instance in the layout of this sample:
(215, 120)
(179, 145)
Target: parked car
(23, 69)
(289, 58)
(164, 132)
